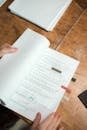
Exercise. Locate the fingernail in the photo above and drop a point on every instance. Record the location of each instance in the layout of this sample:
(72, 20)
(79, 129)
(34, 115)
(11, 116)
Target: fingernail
(68, 90)
(15, 49)
(38, 113)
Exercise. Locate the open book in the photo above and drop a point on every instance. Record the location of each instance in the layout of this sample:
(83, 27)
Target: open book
(31, 78)
(44, 13)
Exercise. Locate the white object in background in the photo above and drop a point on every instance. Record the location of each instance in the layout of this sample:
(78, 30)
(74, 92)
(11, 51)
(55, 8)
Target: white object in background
(2, 2)
(44, 13)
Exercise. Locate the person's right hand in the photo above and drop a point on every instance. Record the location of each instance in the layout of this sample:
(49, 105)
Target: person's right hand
(52, 122)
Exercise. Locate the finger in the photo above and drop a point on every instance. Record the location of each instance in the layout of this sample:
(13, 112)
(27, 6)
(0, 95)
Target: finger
(55, 123)
(6, 45)
(36, 120)
(7, 49)
(47, 121)
(10, 50)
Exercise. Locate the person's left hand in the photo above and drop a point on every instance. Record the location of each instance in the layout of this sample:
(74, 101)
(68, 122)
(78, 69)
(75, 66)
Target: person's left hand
(6, 48)
(52, 122)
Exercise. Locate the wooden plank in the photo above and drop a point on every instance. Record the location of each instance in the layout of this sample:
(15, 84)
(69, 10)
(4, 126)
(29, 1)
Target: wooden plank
(75, 45)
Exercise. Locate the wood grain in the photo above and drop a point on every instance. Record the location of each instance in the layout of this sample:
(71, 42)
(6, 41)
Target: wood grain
(82, 3)
(75, 45)
(11, 26)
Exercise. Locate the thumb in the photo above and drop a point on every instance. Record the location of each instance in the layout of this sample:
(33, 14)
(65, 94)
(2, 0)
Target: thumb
(36, 121)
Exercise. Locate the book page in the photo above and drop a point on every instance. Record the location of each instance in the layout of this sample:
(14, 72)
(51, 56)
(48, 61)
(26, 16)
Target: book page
(40, 90)
(14, 66)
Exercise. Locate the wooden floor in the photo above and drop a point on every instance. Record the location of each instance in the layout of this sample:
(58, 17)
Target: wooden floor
(69, 37)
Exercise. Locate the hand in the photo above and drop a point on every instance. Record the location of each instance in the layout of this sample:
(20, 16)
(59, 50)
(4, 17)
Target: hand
(52, 122)
(6, 48)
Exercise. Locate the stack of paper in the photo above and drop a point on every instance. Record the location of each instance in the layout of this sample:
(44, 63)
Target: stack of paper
(33, 78)
(44, 13)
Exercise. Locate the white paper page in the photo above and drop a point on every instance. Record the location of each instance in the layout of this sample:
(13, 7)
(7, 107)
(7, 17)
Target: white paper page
(14, 66)
(58, 16)
(41, 91)
(2, 2)
(40, 12)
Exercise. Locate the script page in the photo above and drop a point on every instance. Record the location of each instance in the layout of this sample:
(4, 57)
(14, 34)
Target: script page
(14, 66)
(40, 90)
